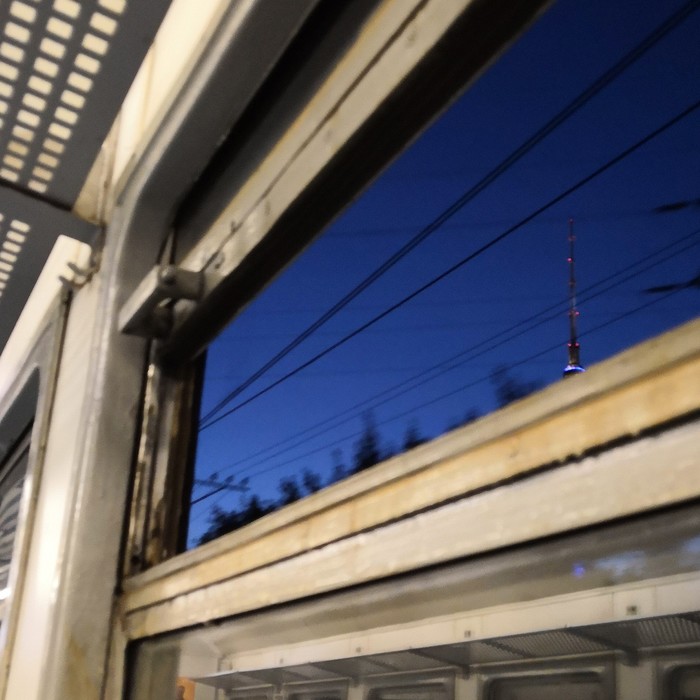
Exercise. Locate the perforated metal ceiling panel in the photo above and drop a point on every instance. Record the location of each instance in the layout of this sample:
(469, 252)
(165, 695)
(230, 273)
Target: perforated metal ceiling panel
(65, 67)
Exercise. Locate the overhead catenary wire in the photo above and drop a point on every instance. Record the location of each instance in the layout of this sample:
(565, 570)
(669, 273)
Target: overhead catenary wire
(463, 261)
(451, 392)
(532, 322)
(456, 360)
(574, 106)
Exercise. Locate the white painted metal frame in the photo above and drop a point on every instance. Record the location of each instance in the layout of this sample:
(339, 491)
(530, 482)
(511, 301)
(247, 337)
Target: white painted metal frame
(35, 386)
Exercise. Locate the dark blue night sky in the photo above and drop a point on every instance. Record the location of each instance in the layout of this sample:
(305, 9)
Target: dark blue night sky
(295, 426)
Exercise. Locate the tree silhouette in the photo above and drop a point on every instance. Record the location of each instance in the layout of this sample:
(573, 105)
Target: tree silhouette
(311, 481)
(469, 417)
(340, 471)
(368, 452)
(222, 521)
(289, 491)
(509, 388)
(412, 438)
(692, 283)
(367, 448)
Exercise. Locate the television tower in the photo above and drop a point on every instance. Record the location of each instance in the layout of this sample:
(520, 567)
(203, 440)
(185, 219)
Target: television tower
(574, 366)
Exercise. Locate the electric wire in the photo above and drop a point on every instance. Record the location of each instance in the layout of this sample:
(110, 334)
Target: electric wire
(461, 263)
(532, 322)
(445, 365)
(249, 474)
(574, 106)
(453, 392)
(458, 360)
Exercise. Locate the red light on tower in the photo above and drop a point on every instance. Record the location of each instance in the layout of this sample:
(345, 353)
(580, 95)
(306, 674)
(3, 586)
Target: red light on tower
(574, 365)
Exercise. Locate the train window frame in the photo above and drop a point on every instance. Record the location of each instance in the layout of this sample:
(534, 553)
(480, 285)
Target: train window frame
(317, 690)
(22, 425)
(158, 507)
(376, 686)
(668, 668)
(14, 471)
(166, 442)
(184, 312)
(676, 678)
(254, 694)
(25, 418)
(542, 670)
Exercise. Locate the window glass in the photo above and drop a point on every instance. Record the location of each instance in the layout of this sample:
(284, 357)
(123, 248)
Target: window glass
(307, 642)
(575, 686)
(330, 693)
(417, 691)
(12, 475)
(11, 485)
(444, 292)
(685, 683)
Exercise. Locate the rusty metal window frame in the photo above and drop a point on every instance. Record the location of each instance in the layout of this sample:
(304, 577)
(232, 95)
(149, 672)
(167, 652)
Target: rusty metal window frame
(374, 79)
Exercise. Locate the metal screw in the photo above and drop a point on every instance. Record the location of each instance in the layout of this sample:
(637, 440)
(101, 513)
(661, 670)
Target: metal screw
(218, 260)
(168, 275)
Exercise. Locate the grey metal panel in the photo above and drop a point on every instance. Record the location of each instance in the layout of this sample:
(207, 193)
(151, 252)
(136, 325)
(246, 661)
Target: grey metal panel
(312, 672)
(241, 680)
(408, 661)
(44, 216)
(491, 651)
(553, 643)
(251, 682)
(65, 68)
(648, 633)
(359, 666)
(28, 230)
(448, 655)
(64, 71)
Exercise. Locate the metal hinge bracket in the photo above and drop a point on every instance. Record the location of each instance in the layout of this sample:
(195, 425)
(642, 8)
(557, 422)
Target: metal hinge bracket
(147, 312)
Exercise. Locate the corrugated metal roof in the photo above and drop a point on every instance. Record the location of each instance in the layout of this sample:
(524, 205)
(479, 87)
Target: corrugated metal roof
(625, 637)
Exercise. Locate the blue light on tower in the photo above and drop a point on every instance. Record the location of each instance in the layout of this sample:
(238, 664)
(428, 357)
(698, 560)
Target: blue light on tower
(574, 366)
